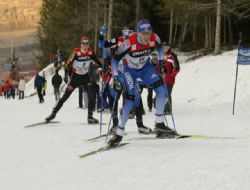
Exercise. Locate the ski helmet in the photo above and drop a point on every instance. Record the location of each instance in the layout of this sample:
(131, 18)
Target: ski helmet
(144, 26)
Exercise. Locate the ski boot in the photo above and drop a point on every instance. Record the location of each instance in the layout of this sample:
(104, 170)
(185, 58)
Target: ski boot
(144, 130)
(115, 141)
(162, 131)
(92, 120)
(50, 117)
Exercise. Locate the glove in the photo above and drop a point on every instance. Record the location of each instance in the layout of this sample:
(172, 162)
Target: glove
(103, 30)
(116, 84)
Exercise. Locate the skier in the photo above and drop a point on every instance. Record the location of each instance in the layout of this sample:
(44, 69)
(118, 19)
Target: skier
(80, 59)
(21, 88)
(115, 43)
(134, 53)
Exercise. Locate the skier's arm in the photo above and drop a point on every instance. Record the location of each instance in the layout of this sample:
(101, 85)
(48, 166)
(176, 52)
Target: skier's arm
(120, 53)
(176, 61)
(107, 43)
(69, 61)
(96, 60)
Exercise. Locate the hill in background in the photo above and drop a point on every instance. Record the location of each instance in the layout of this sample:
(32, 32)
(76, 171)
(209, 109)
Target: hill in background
(18, 24)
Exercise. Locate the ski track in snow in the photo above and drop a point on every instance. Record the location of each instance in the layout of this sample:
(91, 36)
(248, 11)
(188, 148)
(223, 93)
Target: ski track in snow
(46, 157)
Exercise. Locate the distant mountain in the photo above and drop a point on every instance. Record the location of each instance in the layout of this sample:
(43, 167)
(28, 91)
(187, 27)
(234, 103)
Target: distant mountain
(19, 14)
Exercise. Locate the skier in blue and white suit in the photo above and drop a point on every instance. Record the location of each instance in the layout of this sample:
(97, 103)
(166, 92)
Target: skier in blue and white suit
(134, 53)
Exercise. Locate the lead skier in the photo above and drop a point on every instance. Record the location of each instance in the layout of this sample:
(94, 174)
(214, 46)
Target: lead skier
(134, 53)
(115, 43)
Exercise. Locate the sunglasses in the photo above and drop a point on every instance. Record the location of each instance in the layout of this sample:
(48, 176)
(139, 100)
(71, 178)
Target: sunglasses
(145, 33)
(84, 42)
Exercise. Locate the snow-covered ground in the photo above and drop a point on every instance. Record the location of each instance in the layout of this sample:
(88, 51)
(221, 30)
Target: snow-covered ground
(46, 157)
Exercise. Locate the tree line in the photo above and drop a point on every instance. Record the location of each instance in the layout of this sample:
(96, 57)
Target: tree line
(207, 25)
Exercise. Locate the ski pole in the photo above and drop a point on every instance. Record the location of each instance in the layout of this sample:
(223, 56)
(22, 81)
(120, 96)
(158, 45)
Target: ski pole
(173, 121)
(100, 96)
(111, 116)
(172, 116)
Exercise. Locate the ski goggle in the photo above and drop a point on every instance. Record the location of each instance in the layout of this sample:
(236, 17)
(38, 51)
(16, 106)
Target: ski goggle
(144, 28)
(84, 42)
(145, 33)
(126, 32)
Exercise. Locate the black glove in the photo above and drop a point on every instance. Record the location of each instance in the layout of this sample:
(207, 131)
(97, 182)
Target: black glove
(116, 84)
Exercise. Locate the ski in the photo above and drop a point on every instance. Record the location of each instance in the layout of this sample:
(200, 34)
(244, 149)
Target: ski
(203, 137)
(100, 137)
(102, 149)
(93, 123)
(97, 137)
(184, 137)
(41, 123)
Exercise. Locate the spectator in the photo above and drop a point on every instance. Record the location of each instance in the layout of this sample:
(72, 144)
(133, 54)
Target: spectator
(39, 81)
(172, 68)
(12, 92)
(56, 82)
(6, 89)
(21, 88)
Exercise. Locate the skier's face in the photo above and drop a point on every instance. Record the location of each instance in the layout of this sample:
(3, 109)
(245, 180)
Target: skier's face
(144, 37)
(166, 48)
(155, 60)
(84, 46)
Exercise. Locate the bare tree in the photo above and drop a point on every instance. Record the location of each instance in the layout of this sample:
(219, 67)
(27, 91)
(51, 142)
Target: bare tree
(111, 5)
(170, 40)
(217, 48)
(137, 12)
(96, 24)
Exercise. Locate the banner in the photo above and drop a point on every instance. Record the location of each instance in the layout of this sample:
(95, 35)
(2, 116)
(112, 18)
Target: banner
(243, 56)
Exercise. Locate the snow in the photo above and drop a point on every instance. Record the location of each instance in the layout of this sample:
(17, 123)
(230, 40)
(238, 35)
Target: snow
(46, 157)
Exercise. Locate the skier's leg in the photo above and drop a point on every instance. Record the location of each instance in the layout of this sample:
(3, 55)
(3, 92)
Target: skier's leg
(39, 93)
(150, 99)
(139, 119)
(152, 79)
(80, 96)
(70, 88)
(114, 113)
(130, 88)
(91, 91)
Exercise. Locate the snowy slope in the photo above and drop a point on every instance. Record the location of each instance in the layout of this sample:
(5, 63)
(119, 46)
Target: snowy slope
(46, 157)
